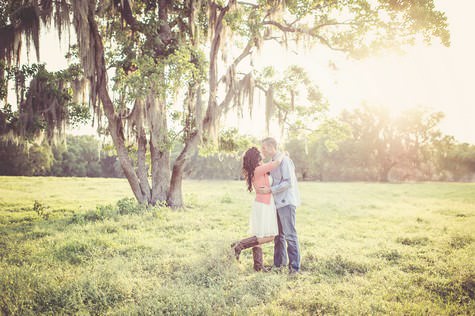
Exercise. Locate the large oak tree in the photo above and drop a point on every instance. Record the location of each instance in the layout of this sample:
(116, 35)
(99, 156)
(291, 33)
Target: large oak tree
(192, 50)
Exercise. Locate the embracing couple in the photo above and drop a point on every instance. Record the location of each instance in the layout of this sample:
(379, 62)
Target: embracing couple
(273, 211)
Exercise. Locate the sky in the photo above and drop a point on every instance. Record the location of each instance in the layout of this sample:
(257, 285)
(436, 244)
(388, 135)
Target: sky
(435, 77)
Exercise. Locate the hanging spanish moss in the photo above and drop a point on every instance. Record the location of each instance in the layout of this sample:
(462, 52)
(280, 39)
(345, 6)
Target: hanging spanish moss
(270, 106)
(248, 91)
(87, 54)
(43, 102)
(59, 11)
(25, 21)
(243, 90)
(43, 112)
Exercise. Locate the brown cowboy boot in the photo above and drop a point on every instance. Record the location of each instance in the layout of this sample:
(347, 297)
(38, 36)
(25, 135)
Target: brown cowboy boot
(258, 260)
(244, 244)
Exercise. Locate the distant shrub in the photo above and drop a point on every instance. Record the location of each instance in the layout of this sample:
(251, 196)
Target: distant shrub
(130, 206)
(124, 206)
(41, 210)
(101, 213)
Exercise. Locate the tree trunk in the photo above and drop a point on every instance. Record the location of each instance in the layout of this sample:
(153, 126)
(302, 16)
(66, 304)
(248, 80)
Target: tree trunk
(115, 126)
(142, 169)
(175, 197)
(159, 148)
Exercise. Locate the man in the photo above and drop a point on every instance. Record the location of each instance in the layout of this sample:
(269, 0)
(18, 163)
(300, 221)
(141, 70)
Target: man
(287, 199)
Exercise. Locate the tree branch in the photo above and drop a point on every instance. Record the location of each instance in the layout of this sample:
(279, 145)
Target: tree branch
(248, 4)
(257, 85)
(246, 51)
(291, 29)
(127, 15)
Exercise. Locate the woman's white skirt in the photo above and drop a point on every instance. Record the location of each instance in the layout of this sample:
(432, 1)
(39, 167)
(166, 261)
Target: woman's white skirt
(263, 219)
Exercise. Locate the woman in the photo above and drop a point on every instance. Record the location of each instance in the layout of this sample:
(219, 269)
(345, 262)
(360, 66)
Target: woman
(263, 219)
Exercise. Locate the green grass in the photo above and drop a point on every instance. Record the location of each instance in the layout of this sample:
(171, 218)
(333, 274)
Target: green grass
(67, 246)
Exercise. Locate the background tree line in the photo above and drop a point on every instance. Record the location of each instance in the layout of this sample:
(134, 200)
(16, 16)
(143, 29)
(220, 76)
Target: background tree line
(365, 144)
(83, 156)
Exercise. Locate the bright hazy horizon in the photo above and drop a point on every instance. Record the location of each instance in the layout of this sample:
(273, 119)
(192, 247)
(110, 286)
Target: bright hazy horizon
(435, 77)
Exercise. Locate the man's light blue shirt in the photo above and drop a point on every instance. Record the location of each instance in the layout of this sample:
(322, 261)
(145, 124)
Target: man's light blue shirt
(284, 187)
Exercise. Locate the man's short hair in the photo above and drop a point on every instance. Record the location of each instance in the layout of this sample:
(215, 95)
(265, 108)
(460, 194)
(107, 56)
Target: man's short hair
(270, 141)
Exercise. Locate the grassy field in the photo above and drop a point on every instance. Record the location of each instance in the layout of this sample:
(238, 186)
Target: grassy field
(82, 246)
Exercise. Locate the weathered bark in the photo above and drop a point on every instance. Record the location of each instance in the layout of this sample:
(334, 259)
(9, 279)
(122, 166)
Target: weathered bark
(175, 197)
(160, 173)
(159, 147)
(142, 169)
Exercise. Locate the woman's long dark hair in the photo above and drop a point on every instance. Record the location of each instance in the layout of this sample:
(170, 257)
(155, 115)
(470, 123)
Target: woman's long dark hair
(250, 161)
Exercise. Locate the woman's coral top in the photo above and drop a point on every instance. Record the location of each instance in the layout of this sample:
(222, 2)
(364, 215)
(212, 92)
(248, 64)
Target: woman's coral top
(261, 179)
